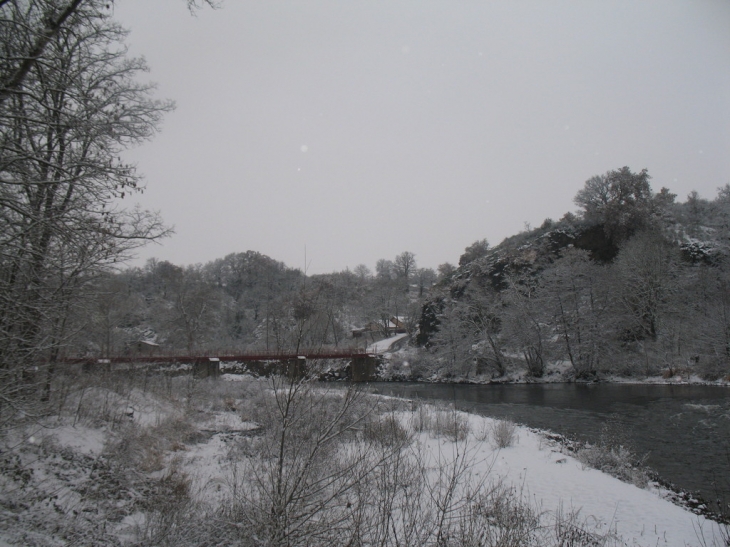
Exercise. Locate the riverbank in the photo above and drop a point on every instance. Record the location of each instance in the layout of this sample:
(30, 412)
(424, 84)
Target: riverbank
(681, 432)
(556, 480)
(599, 379)
(406, 365)
(175, 461)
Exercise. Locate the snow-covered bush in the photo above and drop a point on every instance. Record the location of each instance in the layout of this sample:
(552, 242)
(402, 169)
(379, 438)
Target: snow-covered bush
(497, 516)
(396, 367)
(440, 422)
(618, 461)
(571, 531)
(449, 424)
(421, 417)
(168, 506)
(387, 430)
(483, 431)
(504, 433)
(612, 454)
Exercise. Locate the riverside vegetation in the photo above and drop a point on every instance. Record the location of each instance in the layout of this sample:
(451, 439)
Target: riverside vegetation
(135, 459)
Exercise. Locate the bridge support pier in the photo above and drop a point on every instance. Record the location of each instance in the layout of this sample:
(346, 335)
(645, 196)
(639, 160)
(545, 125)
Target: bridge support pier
(363, 369)
(207, 367)
(296, 369)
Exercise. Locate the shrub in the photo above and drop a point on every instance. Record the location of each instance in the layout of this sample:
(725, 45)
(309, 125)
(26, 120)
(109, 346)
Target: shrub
(498, 516)
(483, 432)
(421, 418)
(166, 507)
(618, 461)
(570, 530)
(387, 430)
(503, 433)
(612, 454)
(440, 422)
(450, 424)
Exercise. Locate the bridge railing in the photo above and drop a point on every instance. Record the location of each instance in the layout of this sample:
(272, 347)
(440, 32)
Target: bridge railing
(324, 353)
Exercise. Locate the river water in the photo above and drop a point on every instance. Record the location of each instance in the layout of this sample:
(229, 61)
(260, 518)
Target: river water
(684, 429)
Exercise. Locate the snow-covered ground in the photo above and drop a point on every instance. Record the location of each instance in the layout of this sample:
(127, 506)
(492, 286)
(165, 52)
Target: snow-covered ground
(555, 481)
(58, 479)
(381, 346)
(546, 477)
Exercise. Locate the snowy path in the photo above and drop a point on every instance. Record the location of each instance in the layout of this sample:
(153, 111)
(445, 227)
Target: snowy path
(381, 346)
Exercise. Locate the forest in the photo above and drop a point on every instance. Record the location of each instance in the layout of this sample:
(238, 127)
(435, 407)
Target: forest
(633, 284)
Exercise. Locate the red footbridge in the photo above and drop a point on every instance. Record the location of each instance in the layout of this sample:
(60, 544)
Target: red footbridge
(363, 364)
(230, 357)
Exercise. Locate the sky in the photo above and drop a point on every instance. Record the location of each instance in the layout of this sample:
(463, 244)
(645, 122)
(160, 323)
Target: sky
(327, 134)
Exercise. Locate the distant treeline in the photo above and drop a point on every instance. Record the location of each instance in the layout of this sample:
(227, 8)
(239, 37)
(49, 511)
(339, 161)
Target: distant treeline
(633, 283)
(247, 301)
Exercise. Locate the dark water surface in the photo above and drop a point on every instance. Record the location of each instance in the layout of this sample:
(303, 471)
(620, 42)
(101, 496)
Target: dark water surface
(685, 429)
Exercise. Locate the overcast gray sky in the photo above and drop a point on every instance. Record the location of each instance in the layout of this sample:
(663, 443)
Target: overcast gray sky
(364, 129)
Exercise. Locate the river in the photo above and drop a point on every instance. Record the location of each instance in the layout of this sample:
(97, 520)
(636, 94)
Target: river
(684, 429)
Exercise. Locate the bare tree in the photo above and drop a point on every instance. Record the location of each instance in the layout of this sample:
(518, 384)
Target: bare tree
(112, 306)
(485, 318)
(445, 271)
(362, 272)
(577, 299)
(646, 266)
(405, 267)
(385, 269)
(60, 181)
(196, 309)
(29, 26)
(476, 250)
(426, 278)
(524, 322)
(452, 343)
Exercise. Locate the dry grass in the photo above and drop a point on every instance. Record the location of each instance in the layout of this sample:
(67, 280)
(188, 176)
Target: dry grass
(440, 422)
(503, 433)
(387, 430)
(612, 454)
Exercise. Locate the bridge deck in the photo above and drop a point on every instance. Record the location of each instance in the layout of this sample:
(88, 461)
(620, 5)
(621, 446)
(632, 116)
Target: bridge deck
(258, 356)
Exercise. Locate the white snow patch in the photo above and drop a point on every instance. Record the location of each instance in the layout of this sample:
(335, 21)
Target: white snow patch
(237, 377)
(227, 421)
(557, 482)
(81, 439)
(210, 470)
(149, 410)
(385, 344)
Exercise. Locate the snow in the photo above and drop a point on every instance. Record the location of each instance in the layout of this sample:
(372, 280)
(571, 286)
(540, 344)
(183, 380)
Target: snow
(384, 345)
(225, 422)
(237, 377)
(81, 439)
(147, 410)
(209, 468)
(554, 480)
(546, 476)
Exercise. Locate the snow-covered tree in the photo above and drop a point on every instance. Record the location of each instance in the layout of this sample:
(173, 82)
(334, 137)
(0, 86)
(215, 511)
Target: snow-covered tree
(62, 130)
